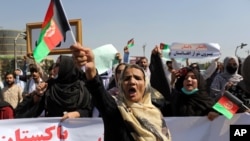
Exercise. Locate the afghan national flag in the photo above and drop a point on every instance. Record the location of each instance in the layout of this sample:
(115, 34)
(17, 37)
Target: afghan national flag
(228, 105)
(53, 31)
(164, 46)
(131, 43)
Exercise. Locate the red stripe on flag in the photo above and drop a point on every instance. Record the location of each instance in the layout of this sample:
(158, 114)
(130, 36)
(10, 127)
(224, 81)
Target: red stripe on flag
(162, 45)
(49, 14)
(229, 105)
(53, 35)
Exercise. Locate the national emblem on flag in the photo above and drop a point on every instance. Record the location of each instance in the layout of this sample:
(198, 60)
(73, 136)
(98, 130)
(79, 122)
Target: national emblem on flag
(54, 28)
(228, 105)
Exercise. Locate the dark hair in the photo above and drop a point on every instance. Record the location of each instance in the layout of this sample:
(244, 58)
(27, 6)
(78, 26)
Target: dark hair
(168, 62)
(33, 68)
(143, 58)
(9, 73)
(120, 64)
(195, 66)
(201, 82)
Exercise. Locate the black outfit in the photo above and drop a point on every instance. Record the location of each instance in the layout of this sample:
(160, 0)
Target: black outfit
(159, 81)
(197, 104)
(181, 104)
(242, 90)
(115, 128)
(66, 93)
(242, 95)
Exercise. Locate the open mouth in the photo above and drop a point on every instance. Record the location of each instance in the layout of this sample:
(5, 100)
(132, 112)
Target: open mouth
(132, 91)
(189, 85)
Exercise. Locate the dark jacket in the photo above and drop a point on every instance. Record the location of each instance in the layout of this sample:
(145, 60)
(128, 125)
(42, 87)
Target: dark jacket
(115, 128)
(198, 104)
(159, 81)
(66, 93)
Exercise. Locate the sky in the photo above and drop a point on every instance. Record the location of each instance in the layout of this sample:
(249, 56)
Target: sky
(226, 22)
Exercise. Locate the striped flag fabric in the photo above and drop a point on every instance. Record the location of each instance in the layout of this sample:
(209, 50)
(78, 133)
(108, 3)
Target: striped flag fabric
(53, 30)
(164, 46)
(130, 43)
(228, 105)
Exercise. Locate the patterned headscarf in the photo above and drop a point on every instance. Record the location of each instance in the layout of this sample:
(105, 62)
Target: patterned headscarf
(144, 118)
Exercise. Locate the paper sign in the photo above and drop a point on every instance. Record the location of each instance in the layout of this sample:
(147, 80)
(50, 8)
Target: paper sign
(104, 57)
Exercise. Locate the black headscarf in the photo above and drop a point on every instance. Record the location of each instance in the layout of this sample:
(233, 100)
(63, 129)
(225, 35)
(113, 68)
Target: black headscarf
(198, 104)
(67, 92)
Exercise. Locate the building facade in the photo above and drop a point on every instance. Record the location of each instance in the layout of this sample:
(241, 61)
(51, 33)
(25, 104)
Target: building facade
(7, 42)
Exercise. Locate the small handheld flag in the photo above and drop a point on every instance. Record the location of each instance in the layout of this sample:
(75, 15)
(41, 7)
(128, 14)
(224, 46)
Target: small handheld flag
(130, 43)
(228, 105)
(54, 28)
(164, 46)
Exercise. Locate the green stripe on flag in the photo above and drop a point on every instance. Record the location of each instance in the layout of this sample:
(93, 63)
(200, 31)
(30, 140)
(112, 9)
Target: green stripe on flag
(220, 108)
(130, 45)
(41, 51)
(165, 47)
(43, 31)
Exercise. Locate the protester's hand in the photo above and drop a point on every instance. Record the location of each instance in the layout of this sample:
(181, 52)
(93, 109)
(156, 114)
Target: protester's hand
(67, 115)
(212, 115)
(187, 62)
(41, 88)
(217, 59)
(174, 76)
(156, 50)
(39, 92)
(248, 111)
(118, 56)
(84, 56)
(17, 72)
(126, 49)
(229, 85)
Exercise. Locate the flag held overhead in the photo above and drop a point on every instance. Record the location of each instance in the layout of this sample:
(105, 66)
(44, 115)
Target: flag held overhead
(54, 28)
(130, 43)
(164, 46)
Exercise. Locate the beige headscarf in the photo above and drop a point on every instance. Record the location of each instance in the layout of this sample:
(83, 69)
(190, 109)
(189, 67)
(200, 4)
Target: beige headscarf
(145, 119)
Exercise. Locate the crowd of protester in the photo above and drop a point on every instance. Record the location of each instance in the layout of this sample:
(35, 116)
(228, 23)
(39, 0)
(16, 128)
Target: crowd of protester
(69, 91)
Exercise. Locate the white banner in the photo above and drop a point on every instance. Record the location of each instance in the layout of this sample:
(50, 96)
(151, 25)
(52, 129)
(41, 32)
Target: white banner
(91, 129)
(197, 50)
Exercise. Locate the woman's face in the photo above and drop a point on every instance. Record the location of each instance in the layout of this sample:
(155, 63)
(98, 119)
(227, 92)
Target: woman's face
(133, 84)
(190, 82)
(119, 71)
(56, 67)
(35, 75)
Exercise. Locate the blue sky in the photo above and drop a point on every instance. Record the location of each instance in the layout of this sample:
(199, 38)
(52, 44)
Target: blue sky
(226, 22)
